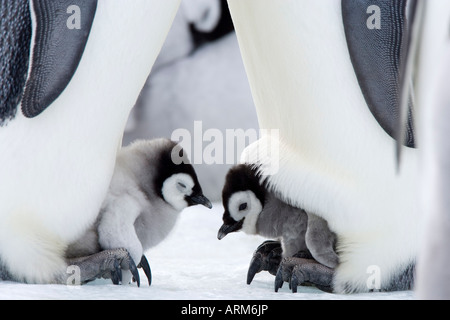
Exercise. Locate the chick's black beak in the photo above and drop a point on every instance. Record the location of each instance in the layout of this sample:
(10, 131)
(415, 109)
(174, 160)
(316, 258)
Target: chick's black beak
(227, 228)
(199, 199)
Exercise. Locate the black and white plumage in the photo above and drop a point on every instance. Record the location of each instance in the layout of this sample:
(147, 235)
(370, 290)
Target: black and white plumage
(59, 141)
(335, 157)
(147, 193)
(250, 207)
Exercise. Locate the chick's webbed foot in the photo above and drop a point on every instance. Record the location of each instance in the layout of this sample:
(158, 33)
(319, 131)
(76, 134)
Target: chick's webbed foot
(107, 264)
(267, 257)
(297, 271)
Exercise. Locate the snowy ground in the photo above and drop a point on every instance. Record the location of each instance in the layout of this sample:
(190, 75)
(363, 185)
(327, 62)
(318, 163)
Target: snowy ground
(191, 264)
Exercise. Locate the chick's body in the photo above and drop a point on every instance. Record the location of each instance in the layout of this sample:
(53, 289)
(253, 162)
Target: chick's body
(146, 195)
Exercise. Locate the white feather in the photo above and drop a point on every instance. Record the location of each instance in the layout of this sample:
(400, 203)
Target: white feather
(433, 68)
(173, 194)
(250, 213)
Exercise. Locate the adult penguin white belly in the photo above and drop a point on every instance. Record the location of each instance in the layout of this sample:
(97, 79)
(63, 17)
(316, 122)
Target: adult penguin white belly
(88, 61)
(330, 85)
(433, 101)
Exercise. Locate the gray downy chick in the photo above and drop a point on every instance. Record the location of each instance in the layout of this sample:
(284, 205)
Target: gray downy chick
(250, 207)
(147, 192)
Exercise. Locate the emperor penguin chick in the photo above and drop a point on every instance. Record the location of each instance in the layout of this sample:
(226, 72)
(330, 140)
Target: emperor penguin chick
(250, 207)
(152, 183)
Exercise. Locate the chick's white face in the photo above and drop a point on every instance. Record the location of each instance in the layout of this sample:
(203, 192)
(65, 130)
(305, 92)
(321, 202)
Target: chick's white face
(176, 188)
(244, 204)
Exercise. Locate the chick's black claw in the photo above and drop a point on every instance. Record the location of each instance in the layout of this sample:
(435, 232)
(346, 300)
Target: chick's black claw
(146, 267)
(294, 283)
(278, 280)
(284, 273)
(255, 267)
(116, 273)
(134, 271)
(266, 257)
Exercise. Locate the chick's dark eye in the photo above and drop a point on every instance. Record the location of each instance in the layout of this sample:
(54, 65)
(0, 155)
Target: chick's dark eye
(182, 185)
(243, 206)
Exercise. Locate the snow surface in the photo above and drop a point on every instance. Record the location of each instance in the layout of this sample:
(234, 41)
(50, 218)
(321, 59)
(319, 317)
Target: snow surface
(191, 264)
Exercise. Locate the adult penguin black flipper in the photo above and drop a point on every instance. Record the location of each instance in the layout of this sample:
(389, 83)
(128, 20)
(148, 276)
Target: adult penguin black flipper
(60, 34)
(376, 34)
(15, 30)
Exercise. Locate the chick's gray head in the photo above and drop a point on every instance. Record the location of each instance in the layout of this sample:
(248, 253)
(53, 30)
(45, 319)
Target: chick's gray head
(243, 199)
(174, 178)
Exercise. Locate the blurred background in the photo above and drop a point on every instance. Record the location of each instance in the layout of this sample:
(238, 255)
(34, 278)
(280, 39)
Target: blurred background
(198, 76)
